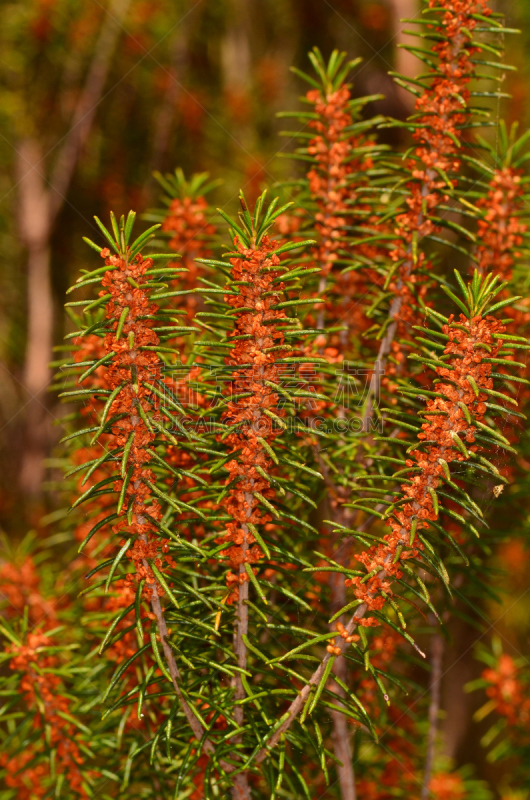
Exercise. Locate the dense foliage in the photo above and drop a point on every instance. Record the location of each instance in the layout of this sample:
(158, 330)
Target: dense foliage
(285, 438)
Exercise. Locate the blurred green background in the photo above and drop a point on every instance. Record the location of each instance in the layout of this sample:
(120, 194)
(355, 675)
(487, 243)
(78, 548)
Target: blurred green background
(95, 96)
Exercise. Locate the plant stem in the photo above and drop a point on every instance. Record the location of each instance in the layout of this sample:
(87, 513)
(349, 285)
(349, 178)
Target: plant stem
(298, 703)
(409, 264)
(240, 789)
(174, 671)
(341, 731)
(341, 739)
(437, 649)
(241, 629)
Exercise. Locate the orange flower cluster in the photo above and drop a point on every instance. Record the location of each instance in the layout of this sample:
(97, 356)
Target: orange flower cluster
(135, 334)
(257, 344)
(506, 689)
(188, 224)
(343, 633)
(501, 230)
(328, 181)
(444, 433)
(20, 586)
(500, 234)
(332, 189)
(191, 231)
(441, 111)
(134, 364)
(29, 782)
(92, 348)
(191, 235)
(447, 786)
(42, 690)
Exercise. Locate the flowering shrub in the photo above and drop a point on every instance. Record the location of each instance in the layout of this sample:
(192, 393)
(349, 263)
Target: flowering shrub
(279, 537)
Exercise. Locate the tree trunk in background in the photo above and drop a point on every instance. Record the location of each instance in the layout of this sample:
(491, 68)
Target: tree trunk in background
(38, 209)
(405, 63)
(437, 652)
(34, 228)
(457, 703)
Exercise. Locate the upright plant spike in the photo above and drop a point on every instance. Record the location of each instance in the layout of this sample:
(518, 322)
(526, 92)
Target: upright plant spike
(502, 236)
(401, 416)
(258, 333)
(443, 109)
(472, 343)
(452, 433)
(188, 224)
(338, 207)
(340, 210)
(258, 358)
(341, 152)
(133, 431)
(36, 662)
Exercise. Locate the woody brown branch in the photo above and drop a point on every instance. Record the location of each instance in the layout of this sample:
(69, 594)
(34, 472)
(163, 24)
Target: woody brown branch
(437, 151)
(400, 545)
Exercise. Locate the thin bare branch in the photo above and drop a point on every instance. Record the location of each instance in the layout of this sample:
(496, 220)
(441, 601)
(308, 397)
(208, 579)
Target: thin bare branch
(437, 649)
(86, 105)
(195, 725)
